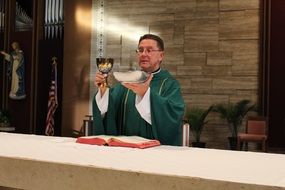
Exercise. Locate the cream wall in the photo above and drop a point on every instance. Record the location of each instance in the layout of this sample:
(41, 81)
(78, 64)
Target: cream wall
(212, 48)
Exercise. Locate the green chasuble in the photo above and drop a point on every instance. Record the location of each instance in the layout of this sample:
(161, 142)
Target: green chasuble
(122, 118)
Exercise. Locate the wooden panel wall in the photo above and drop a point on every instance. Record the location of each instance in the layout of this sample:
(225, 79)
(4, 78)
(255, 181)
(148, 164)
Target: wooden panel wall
(77, 43)
(276, 70)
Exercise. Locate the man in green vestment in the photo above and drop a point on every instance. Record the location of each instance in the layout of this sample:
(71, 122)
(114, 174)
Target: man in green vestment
(153, 109)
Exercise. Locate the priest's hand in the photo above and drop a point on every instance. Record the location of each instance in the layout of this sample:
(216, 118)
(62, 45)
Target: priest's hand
(99, 82)
(139, 88)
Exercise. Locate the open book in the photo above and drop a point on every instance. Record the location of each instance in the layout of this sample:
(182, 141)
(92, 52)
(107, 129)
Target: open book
(123, 141)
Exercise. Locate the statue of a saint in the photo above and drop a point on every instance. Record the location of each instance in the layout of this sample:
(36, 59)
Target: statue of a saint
(16, 70)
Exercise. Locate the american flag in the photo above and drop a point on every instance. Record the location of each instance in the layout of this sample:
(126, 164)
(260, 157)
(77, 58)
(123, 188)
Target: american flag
(52, 100)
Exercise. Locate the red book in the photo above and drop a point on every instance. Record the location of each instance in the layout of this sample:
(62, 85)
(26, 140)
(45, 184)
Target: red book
(122, 141)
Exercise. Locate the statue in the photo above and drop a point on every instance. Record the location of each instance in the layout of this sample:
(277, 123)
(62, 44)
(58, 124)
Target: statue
(16, 70)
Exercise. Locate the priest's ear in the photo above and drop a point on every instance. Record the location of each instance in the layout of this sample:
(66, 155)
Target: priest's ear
(161, 56)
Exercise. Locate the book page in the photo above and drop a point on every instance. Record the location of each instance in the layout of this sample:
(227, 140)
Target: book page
(131, 139)
(103, 137)
(95, 140)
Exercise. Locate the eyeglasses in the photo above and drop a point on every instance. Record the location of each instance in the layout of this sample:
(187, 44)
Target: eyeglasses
(148, 51)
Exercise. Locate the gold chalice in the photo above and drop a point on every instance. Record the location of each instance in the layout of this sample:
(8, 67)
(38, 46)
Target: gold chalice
(105, 65)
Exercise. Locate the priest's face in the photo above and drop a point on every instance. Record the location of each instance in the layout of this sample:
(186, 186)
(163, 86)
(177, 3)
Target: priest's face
(149, 55)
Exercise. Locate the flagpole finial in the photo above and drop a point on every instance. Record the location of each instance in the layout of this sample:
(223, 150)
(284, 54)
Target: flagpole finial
(54, 60)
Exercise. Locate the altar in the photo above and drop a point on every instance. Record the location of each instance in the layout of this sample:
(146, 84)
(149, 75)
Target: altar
(42, 162)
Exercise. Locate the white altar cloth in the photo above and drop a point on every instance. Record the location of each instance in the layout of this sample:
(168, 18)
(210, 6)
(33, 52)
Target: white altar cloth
(220, 167)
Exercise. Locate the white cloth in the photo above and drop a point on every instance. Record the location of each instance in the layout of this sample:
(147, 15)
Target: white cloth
(143, 106)
(222, 165)
(102, 101)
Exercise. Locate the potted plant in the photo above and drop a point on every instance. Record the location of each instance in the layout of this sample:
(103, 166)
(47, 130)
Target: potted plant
(5, 118)
(196, 118)
(234, 114)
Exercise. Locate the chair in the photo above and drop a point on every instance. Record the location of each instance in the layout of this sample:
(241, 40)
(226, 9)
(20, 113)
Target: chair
(256, 131)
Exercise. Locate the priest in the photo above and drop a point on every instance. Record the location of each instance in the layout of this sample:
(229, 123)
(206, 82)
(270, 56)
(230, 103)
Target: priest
(153, 109)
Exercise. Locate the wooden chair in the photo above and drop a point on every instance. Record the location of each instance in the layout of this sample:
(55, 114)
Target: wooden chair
(256, 131)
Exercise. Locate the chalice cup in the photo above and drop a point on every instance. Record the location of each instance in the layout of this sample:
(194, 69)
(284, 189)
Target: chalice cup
(104, 65)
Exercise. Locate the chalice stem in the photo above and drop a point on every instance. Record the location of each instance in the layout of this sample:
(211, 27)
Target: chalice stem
(106, 82)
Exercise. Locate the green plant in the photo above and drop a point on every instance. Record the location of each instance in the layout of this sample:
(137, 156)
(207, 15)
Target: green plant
(234, 113)
(196, 118)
